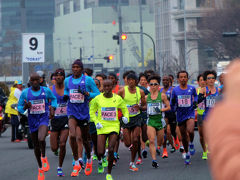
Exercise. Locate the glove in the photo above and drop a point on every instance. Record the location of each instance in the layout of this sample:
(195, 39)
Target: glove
(200, 97)
(81, 90)
(125, 120)
(99, 126)
(194, 105)
(65, 97)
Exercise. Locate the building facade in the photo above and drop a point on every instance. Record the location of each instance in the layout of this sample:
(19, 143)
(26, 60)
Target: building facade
(177, 26)
(90, 28)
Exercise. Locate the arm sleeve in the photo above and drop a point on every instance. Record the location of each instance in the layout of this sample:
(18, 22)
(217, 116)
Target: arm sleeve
(123, 107)
(21, 101)
(17, 93)
(50, 95)
(195, 95)
(66, 90)
(93, 110)
(93, 88)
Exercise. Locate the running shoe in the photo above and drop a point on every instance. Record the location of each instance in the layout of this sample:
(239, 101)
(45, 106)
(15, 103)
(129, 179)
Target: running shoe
(56, 153)
(105, 162)
(147, 143)
(181, 149)
(173, 149)
(144, 153)
(184, 155)
(133, 168)
(115, 155)
(60, 172)
(45, 164)
(187, 160)
(94, 157)
(204, 156)
(176, 143)
(191, 149)
(158, 151)
(76, 170)
(100, 168)
(17, 141)
(139, 161)
(88, 169)
(41, 174)
(109, 177)
(81, 164)
(155, 164)
(165, 153)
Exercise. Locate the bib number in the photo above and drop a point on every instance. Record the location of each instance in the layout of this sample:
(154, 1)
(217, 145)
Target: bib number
(132, 110)
(153, 108)
(184, 101)
(210, 102)
(109, 113)
(76, 97)
(61, 110)
(38, 106)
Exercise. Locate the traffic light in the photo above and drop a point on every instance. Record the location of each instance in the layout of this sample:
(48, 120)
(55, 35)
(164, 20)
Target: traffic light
(123, 36)
(108, 58)
(116, 37)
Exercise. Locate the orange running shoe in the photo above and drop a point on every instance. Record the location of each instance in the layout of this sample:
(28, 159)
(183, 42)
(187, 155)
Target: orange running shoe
(41, 174)
(76, 170)
(133, 168)
(165, 153)
(88, 169)
(45, 164)
(176, 143)
(139, 161)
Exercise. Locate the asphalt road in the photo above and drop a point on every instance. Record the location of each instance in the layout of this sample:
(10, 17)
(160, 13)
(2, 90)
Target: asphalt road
(18, 162)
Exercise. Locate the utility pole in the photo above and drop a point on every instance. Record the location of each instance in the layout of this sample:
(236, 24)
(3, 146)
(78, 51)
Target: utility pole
(93, 58)
(25, 66)
(120, 41)
(185, 37)
(141, 34)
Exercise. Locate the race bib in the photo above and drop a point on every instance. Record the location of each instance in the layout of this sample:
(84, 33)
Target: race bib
(76, 97)
(201, 106)
(184, 100)
(154, 108)
(61, 110)
(210, 101)
(38, 106)
(109, 113)
(132, 110)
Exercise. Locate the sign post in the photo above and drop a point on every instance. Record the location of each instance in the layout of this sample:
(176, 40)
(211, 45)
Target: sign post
(33, 51)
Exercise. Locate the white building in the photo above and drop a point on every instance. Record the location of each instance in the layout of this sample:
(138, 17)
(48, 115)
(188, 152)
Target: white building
(90, 25)
(171, 37)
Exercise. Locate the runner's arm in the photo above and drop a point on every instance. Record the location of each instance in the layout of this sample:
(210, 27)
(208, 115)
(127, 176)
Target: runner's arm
(195, 95)
(143, 106)
(120, 92)
(51, 96)
(93, 109)
(21, 102)
(166, 102)
(66, 90)
(123, 107)
(93, 91)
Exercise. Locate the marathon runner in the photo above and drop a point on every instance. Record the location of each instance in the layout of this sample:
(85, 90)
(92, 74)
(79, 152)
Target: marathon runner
(35, 99)
(131, 132)
(155, 124)
(107, 122)
(59, 124)
(185, 97)
(78, 90)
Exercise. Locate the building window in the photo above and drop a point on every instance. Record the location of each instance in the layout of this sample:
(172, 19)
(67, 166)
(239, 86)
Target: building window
(66, 8)
(181, 25)
(181, 4)
(200, 3)
(76, 5)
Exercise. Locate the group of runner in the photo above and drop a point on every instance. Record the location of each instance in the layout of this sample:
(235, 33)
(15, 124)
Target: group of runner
(98, 112)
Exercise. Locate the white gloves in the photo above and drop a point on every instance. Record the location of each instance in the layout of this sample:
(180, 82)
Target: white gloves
(99, 126)
(125, 120)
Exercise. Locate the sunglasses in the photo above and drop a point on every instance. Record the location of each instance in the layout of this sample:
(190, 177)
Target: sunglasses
(210, 78)
(153, 84)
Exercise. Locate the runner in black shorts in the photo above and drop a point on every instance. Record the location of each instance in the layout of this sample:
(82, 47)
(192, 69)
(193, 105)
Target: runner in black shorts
(59, 125)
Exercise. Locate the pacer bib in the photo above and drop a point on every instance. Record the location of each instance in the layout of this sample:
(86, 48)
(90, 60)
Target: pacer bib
(109, 113)
(153, 108)
(61, 110)
(184, 100)
(38, 106)
(76, 97)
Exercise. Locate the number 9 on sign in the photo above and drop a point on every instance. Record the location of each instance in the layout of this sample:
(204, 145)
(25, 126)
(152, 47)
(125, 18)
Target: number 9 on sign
(34, 43)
